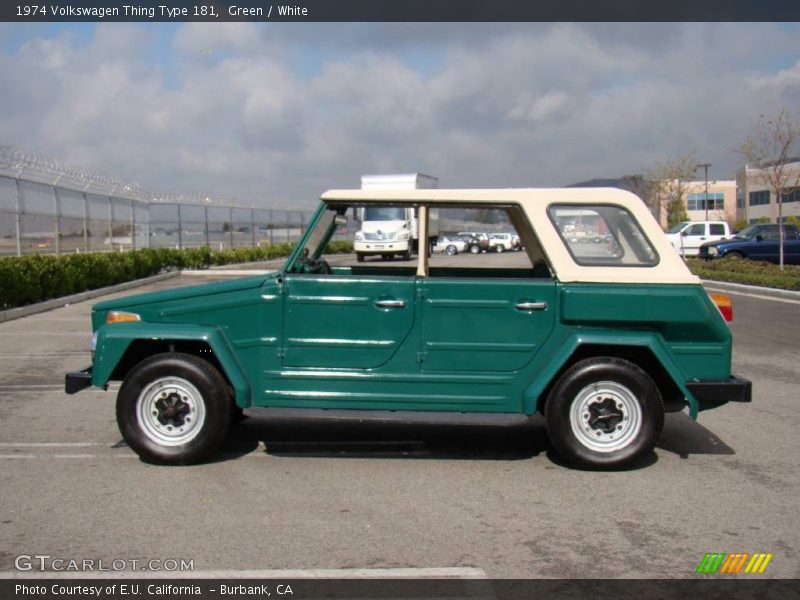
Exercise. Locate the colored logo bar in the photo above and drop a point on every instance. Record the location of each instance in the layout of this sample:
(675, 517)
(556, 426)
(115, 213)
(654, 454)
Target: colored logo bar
(734, 563)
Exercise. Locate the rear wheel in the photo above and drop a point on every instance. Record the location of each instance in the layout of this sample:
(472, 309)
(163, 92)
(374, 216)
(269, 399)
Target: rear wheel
(474, 249)
(359, 257)
(499, 248)
(174, 408)
(451, 250)
(604, 413)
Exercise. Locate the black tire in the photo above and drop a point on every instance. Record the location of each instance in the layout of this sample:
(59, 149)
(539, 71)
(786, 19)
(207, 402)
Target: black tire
(406, 255)
(593, 410)
(451, 250)
(359, 257)
(499, 248)
(187, 381)
(474, 249)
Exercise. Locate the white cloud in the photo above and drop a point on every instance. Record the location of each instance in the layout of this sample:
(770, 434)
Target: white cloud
(281, 113)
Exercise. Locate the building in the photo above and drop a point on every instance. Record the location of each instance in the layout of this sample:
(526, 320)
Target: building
(754, 200)
(721, 200)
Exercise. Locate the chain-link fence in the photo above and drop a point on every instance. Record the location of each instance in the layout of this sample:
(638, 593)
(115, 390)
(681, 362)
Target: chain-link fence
(47, 207)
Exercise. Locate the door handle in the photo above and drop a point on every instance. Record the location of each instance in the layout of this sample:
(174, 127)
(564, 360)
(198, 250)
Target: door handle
(390, 303)
(531, 306)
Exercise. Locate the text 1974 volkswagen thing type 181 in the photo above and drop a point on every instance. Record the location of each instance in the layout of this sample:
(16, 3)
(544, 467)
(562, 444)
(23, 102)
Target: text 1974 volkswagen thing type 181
(600, 338)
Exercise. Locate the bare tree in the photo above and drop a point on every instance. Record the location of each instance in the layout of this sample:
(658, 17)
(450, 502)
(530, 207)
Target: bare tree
(770, 149)
(668, 185)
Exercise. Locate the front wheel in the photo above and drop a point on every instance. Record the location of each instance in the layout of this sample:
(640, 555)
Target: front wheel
(474, 250)
(604, 413)
(174, 408)
(451, 250)
(735, 255)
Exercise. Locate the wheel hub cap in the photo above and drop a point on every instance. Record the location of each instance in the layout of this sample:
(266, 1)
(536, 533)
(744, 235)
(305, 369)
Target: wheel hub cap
(605, 416)
(170, 411)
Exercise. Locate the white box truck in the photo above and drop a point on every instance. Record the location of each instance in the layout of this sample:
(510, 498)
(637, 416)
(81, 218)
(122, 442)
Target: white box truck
(388, 231)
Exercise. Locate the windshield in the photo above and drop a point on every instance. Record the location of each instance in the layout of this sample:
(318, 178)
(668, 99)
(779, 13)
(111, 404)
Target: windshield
(678, 227)
(747, 232)
(384, 213)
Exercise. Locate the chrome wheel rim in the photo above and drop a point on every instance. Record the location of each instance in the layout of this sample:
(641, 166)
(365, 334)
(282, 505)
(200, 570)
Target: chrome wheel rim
(605, 416)
(170, 411)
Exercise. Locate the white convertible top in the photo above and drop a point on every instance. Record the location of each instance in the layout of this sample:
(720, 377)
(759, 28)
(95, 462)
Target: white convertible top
(535, 203)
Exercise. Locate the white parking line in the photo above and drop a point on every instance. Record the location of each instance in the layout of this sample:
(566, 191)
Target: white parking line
(393, 573)
(49, 444)
(46, 333)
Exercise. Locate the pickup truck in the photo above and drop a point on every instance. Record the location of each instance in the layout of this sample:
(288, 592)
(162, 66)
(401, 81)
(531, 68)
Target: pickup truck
(757, 242)
(687, 237)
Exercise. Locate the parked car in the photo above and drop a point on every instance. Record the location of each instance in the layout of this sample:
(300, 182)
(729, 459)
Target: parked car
(601, 339)
(502, 242)
(687, 237)
(757, 242)
(449, 245)
(474, 245)
(482, 236)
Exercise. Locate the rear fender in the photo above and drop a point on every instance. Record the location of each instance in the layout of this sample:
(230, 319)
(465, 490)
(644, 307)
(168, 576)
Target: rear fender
(533, 396)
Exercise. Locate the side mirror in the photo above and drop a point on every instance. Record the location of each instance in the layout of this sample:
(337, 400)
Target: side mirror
(340, 220)
(759, 238)
(684, 233)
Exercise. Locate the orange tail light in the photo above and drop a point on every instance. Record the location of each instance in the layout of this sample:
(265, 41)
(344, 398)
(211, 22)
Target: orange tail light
(724, 305)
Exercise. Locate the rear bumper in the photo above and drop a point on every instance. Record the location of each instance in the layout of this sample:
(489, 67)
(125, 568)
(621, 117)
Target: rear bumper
(713, 392)
(77, 380)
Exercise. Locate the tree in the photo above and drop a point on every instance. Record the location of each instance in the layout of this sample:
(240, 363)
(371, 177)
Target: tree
(669, 183)
(770, 149)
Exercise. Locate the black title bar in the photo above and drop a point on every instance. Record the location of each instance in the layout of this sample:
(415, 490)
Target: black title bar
(33, 11)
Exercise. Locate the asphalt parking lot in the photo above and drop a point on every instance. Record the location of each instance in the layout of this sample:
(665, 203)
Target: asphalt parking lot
(306, 496)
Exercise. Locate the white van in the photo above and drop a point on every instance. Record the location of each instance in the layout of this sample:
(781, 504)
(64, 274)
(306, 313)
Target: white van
(688, 236)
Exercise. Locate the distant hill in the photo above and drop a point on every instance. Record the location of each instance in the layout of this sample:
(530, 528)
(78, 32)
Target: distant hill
(624, 183)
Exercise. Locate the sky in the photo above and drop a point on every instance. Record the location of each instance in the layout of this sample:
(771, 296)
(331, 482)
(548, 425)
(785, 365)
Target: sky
(276, 113)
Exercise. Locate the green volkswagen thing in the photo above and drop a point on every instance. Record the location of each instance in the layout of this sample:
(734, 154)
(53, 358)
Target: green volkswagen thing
(598, 325)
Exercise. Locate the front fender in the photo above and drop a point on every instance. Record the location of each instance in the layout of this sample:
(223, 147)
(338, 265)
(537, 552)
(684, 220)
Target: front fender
(114, 340)
(572, 341)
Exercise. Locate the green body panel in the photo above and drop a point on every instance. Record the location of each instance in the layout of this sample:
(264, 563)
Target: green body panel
(114, 340)
(682, 318)
(455, 344)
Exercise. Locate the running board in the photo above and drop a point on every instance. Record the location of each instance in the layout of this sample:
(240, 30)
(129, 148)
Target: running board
(389, 416)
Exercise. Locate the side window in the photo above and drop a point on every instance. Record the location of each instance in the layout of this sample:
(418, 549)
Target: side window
(696, 229)
(484, 241)
(717, 229)
(770, 232)
(602, 235)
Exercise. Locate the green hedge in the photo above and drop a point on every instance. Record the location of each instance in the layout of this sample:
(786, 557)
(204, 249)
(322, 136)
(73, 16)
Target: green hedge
(28, 279)
(750, 272)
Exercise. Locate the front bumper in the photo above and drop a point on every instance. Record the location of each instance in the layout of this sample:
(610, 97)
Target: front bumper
(378, 247)
(76, 381)
(713, 392)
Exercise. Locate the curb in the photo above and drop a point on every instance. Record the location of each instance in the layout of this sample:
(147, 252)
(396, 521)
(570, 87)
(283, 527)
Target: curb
(32, 309)
(741, 288)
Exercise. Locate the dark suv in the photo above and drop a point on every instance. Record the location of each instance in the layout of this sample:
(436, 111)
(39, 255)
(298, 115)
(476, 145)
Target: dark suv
(757, 242)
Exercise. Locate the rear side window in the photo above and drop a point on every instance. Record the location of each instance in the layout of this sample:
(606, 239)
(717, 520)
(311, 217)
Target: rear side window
(717, 229)
(601, 235)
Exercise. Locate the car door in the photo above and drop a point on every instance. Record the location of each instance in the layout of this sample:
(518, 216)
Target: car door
(693, 237)
(766, 244)
(484, 318)
(345, 322)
